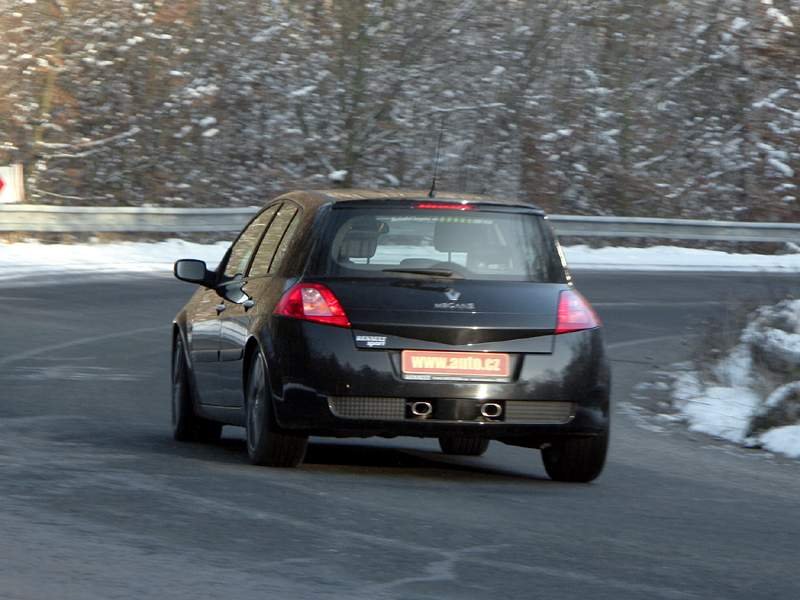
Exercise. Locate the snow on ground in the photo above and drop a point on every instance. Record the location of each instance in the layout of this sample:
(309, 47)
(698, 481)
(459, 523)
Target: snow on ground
(784, 440)
(721, 411)
(674, 258)
(750, 396)
(29, 258)
(20, 259)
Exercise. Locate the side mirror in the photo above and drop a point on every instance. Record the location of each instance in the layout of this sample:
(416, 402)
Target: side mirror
(194, 271)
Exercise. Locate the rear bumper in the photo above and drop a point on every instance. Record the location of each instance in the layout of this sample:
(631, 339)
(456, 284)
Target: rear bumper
(320, 379)
(316, 415)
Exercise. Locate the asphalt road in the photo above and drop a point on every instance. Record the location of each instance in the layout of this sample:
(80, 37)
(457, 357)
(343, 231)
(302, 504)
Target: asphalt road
(97, 501)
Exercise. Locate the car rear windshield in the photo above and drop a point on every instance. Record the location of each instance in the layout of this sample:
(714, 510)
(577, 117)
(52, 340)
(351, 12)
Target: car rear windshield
(410, 242)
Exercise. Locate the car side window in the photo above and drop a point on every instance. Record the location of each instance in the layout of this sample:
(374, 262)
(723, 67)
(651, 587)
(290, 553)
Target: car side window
(243, 248)
(280, 253)
(275, 241)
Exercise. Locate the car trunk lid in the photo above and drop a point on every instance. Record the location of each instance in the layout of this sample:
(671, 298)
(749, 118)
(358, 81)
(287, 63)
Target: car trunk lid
(399, 313)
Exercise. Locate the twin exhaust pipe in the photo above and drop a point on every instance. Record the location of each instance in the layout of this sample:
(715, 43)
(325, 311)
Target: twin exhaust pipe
(421, 409)
(489, 410)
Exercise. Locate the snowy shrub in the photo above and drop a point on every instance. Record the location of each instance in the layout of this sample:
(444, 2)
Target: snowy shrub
(754, 388)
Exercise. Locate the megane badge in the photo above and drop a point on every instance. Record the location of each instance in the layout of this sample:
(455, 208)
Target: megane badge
(453, 296)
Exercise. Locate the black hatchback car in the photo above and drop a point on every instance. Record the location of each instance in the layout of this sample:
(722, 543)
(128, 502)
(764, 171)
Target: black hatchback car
(352, 313)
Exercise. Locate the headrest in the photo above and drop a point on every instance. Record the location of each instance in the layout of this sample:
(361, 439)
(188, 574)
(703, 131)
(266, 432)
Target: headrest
(459, 237)
(358, 244)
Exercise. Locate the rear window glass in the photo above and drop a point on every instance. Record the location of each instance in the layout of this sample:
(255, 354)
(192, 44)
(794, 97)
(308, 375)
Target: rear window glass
(482, 245)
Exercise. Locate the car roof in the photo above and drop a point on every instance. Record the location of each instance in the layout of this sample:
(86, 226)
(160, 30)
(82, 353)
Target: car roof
(339, 196)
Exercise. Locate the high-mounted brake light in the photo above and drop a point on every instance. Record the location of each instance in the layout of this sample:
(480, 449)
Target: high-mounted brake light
(312, 302)
(444, 206)
(575, 313)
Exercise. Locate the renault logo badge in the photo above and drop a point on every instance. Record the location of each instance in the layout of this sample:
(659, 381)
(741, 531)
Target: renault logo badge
(452, 295)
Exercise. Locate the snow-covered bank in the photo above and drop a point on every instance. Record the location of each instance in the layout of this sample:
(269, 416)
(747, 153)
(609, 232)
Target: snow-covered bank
(674, 258)
(21, 259)
(30, 258)
(751, 396)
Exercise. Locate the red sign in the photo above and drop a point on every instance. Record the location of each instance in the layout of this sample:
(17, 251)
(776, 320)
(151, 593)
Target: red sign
(2, 184)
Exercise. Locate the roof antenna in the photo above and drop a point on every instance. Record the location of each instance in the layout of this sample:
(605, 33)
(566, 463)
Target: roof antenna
(432, 193)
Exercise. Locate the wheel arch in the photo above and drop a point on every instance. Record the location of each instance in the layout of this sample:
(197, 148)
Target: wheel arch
(178, 331)
(262, 343)
(250, 350)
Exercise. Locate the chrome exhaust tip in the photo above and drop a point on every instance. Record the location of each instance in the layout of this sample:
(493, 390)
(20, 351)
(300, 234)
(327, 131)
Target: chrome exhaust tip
(421, 409)
(491, 410)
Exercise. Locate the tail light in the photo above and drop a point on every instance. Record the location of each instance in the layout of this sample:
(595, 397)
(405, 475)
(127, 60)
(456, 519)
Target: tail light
(312, 302)
(444, 206)
(575, 313)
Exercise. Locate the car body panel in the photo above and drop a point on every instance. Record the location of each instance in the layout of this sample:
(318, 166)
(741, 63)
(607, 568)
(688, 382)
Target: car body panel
(577, 371)
(235, 324)
(202, 335)
(409, 312)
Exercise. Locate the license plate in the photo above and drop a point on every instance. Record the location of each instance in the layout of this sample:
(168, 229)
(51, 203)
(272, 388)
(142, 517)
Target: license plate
(424, 364)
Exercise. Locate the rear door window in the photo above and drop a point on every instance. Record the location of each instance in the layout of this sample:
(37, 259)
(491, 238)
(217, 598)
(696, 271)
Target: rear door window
(479, 245)
(245, 245)
(276, 240)
(283, 247)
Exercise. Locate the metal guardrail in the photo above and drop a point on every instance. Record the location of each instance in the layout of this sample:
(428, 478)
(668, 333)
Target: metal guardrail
(64, 219)
(675, 229)
(41, 218)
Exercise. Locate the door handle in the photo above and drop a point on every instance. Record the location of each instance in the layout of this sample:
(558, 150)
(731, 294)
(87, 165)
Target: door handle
(249, 303)
(220, 307)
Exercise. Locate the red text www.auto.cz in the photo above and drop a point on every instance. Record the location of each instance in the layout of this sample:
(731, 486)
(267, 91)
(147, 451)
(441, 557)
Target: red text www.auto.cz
(457, 363)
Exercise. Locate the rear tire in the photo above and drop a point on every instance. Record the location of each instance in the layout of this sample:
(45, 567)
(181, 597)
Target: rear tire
(267, 445)
(577, 460)
(463, 446)
(186, 425)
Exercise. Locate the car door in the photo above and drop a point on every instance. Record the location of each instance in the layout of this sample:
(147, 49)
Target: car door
(203, 341)
(247, 291)
(230, 293)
